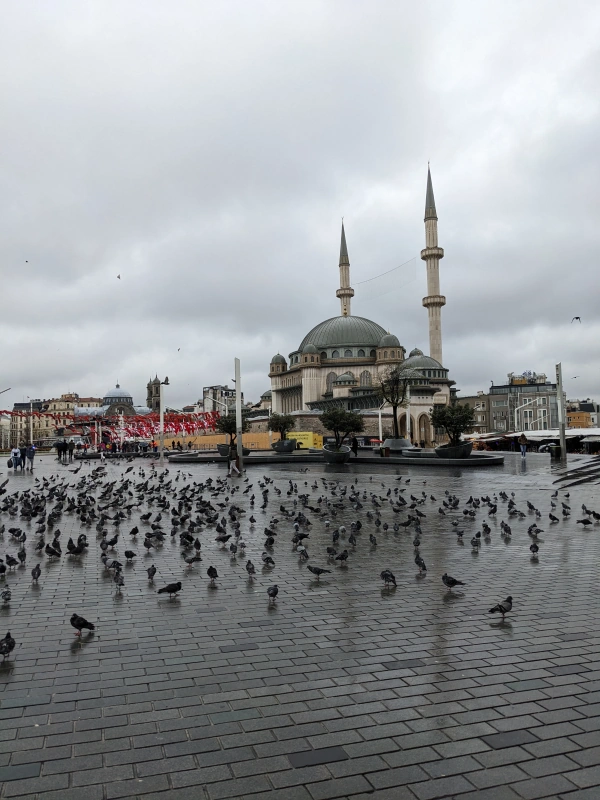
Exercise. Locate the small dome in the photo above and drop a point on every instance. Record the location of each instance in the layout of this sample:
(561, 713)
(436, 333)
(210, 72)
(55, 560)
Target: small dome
(278, 359)
(309, 348)
(266, 395)
(417, 360)
(347, 377)
(415, 352)
(118, 393)
(389, 340)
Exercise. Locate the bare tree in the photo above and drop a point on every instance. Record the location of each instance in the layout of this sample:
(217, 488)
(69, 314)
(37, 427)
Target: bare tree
(392, 388)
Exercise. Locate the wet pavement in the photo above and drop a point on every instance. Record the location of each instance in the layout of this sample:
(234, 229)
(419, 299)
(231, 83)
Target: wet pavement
(341, 688)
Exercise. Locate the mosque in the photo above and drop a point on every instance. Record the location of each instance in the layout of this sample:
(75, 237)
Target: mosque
(339, 362)
(116, 401)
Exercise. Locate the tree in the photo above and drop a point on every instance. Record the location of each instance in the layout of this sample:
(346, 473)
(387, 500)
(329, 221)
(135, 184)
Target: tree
(282, 424)
(392, 388)
(455, 419)
(341, 423)
(227, 424)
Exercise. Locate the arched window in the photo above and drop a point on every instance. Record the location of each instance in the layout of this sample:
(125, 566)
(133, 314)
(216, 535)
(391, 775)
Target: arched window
(392, 353)
(347, 353)
(365, 378)
(373, 354)
(335, 354)
(323, 354)
(361, 353)
(312, 358)
(385, 353)
(330, 379)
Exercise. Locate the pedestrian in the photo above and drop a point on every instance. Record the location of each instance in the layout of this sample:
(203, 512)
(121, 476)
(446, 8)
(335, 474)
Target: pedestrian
(523, 445)
(78, 446)
(422, 444)
(189, 445)
(23, 451)
(354, 446)
(71, 449)
(102, 457)
(232, 462)
(30, 456)
(85, 448)
(15, 454)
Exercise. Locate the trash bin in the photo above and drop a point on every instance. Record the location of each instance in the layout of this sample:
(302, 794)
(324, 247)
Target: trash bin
(386, 452)
(554, 451)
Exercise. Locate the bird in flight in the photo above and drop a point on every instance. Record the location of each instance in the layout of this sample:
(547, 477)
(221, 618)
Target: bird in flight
(574, 318)
(119, 277)
(574, 376)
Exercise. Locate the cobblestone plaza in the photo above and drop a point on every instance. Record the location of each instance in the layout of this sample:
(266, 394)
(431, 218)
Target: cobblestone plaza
(341, 688)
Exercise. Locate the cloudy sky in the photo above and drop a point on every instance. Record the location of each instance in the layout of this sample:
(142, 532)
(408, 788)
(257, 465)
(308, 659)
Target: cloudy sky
(206, 152)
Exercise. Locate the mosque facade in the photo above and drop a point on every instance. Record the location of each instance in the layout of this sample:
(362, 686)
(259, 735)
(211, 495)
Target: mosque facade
(116, 401)
(341, 360)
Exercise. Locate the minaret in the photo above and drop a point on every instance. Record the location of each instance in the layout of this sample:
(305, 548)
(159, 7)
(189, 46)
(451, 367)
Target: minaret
(345, 292)
(431, 256)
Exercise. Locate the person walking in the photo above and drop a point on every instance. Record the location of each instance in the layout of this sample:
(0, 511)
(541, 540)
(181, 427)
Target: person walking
(71, 448)
(15, 454)
(354, 446)
(523, 445)
(30, 452)
(232, 462)
(23, 451)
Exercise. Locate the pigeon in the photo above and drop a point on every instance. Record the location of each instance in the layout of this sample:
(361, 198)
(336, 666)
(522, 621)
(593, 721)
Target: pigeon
(36, 572)
(372, 539)
(251, 569)
(534, 549)
(343, 556)
(151, 572)
(272, 591)
(318, 571)
(7, 645)
(5, 594)
(504, 607)
(81, 623)
(170, 589)
(420, 564)
(387, 576)
(584, 522)
(450, 582)
(130, 555)
(212, 574)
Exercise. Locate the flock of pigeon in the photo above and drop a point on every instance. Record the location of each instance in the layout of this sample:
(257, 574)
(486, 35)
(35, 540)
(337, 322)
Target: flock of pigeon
(190, 512)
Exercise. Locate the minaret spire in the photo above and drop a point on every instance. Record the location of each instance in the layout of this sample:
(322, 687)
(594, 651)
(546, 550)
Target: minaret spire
(345, 292)
(431, 255)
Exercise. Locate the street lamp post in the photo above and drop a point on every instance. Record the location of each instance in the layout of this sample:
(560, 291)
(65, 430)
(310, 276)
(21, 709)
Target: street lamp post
(238, 416)
(162, 420)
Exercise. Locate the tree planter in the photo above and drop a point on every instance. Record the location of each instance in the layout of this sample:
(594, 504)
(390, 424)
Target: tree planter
(459, 451)
(284, 446)
(223, 450)
(396, 445)
(336, 456)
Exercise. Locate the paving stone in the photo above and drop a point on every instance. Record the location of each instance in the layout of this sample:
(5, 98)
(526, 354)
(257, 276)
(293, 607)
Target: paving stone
(543, 787)
(324, 755)
(510, 739)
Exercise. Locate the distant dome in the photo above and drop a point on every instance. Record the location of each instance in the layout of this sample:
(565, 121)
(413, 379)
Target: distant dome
(417, 360)
(345, 378)
(344, 332)
(266, 394)
(118, 394)
(278, 359)
(389, 340)
(310, 348)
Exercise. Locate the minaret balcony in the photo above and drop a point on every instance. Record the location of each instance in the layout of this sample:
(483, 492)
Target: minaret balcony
(434, 300)
(432, 252)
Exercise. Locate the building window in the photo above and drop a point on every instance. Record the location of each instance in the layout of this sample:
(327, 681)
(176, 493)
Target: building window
(497, 403)
(323, 354)
(361, 353)
(347, 353)
(330, 379)
(373, 354)
(312, 358)
(385, 353)
(365, 378)
(335, 354)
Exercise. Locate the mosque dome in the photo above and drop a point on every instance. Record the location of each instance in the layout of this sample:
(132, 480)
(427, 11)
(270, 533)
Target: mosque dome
(117, 394)
(278, 359)
(309, 348)
(347, 377)
(344, 332)
(389, 340)
(418, 360)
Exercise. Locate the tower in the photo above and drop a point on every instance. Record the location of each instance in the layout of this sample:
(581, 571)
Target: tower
(345, 292)
(431, 255)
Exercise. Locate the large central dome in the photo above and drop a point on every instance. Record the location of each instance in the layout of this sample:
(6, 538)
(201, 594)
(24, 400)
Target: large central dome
(344, 331)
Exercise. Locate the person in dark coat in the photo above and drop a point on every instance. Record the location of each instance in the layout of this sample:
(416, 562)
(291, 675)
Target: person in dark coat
(354, 446)
(23, 449)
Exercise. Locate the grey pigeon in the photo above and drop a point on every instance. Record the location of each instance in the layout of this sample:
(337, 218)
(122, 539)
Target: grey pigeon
(450, 582)
(503, 608)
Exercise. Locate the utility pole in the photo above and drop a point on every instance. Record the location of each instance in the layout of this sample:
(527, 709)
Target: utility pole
(560, 400)
(238, 416)
(162, 420)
